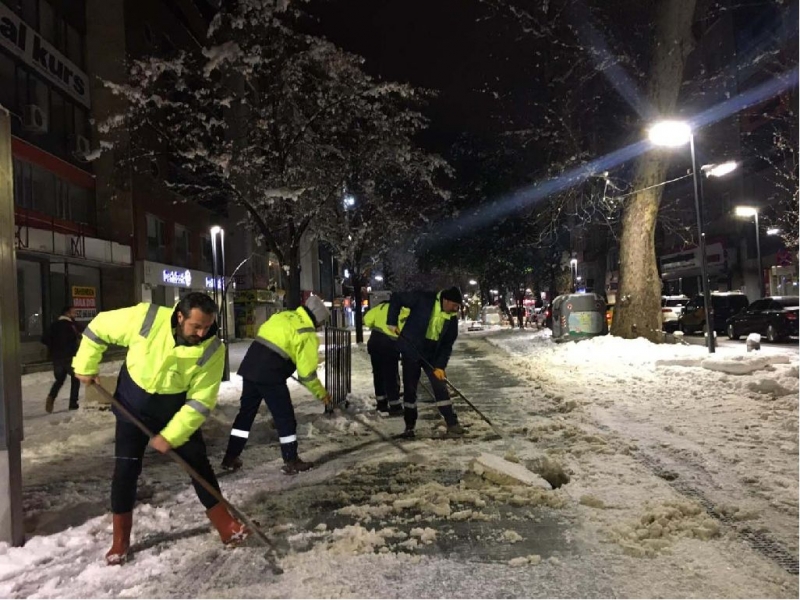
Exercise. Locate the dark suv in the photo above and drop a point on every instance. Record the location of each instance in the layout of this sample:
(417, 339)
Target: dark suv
(725, 305)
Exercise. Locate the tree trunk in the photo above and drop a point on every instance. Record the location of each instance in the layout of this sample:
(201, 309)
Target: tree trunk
(293, 296)
(638, 300)
(359, 315)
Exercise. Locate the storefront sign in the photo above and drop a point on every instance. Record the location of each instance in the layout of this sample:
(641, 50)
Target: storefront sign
(210, 283)
(178, 278)
(17, 37)
(84, 299)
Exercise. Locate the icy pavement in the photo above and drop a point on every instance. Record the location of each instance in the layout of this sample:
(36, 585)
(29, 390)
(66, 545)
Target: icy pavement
(683, 482)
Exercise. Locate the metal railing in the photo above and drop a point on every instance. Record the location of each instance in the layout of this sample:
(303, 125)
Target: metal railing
(338, 365)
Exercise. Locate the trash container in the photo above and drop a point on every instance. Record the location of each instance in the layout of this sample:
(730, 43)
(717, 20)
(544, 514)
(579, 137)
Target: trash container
(578, 316)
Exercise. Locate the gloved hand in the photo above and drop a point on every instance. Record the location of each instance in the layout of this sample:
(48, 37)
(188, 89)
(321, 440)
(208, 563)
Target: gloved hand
(439, 374)
(327, 400)
(394, 329)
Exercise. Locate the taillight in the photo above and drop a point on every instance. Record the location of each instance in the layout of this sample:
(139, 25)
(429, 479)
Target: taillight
(666, 310)
(792, 316)
(547, 314)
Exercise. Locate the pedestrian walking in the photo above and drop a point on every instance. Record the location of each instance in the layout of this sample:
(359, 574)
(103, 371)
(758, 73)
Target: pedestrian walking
(425, 345)
(170, 381)
(62, 339)
(384, 356)
(286, 342)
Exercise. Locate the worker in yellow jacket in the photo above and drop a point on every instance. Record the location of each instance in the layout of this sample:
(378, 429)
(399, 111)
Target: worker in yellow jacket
(384, 355)
(285, 343)
(170, 380)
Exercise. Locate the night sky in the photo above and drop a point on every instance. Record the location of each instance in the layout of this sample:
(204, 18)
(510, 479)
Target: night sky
(455, 47)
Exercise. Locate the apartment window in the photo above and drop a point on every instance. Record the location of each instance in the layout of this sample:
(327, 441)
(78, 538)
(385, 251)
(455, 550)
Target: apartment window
(182, 255)
(7, 74)
(156, 239)
(208, 263)
(74, 46)
(43, 186)
(28, 11)
(47, 21)
(58, 124)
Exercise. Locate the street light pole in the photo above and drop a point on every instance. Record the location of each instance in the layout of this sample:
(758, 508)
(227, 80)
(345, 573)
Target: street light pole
(709, 309)
(752, 211)
(758, 253)
(217, 274)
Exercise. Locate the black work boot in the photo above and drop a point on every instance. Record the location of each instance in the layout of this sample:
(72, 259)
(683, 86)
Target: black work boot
(455, 430)
(408, 434)
(231, 463)
(383, 406)
(295, 466)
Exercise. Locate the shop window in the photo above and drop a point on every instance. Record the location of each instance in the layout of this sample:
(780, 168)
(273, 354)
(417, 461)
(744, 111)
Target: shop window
(43, 186)
(182, 256)
(82, 204)
(156, 239)
(29, 293)
(22, 184)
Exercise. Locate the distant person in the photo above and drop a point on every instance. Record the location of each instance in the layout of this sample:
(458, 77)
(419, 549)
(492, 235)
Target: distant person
(427, 339)
(170, 381)
(384, 356)
(62, 340)
(286, 342)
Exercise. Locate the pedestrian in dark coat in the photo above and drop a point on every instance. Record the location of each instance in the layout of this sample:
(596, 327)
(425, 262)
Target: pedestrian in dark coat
(425, 345)
(62, 339)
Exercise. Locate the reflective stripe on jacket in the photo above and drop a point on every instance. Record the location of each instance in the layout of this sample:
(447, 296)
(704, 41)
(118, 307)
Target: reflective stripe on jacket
(156, 364)
(375, 319)
(292, 336)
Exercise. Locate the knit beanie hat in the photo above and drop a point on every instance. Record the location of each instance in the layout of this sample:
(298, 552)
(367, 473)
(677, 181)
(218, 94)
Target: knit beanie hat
(454, 295)
(317, 308)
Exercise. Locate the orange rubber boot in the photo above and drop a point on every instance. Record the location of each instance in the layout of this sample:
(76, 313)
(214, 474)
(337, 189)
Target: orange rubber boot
(230, 530)
(120, 547)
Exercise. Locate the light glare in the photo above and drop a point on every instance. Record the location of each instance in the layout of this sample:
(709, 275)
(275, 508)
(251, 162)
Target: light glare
(670, 133)
(746, 211)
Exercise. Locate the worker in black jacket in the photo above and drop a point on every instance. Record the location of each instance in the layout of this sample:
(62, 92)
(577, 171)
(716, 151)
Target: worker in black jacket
(62, 339)
(425, 344)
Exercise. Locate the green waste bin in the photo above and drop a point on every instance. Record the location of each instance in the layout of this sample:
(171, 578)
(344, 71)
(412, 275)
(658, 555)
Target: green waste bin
(578, 317)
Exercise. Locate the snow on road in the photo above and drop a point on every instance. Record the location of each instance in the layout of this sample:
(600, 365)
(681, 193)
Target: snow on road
(682, 470)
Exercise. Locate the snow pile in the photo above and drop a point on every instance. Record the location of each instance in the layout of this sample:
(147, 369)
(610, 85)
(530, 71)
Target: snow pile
(657, 529)
(503, 472)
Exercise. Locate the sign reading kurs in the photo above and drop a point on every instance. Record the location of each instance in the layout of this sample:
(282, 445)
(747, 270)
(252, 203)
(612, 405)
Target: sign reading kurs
(26, 43)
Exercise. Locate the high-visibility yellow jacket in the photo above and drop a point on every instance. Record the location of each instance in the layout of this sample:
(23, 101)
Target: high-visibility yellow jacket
(375, 319)
(155, 364)
(287, 341)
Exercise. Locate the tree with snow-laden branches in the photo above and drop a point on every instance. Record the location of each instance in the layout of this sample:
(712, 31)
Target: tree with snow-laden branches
(279, 123)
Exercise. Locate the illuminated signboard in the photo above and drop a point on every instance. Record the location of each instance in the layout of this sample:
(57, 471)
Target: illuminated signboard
(179, 278)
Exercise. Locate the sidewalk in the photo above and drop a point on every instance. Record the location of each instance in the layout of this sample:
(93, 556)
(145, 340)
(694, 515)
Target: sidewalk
(650, 461)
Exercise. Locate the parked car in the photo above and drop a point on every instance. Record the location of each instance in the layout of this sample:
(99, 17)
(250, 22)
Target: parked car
(776, 318)
(671, 310)
(490, 315)
(725, 305)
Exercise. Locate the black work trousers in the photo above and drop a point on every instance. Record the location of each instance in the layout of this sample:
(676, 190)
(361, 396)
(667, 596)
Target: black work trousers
(129, 447)
(412, 370)
(61, 368)
(383, 354)
(279, 403)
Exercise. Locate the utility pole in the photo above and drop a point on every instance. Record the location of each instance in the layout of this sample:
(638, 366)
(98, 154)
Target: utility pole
(11, 530)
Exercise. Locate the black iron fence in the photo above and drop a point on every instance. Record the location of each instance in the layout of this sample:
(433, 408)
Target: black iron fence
(337, 364)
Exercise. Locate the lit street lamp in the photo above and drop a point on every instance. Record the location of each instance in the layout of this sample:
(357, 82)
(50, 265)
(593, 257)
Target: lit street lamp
(673, 134)
(218, 275)
(747, 212)
(473, 282)
(773, 231)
